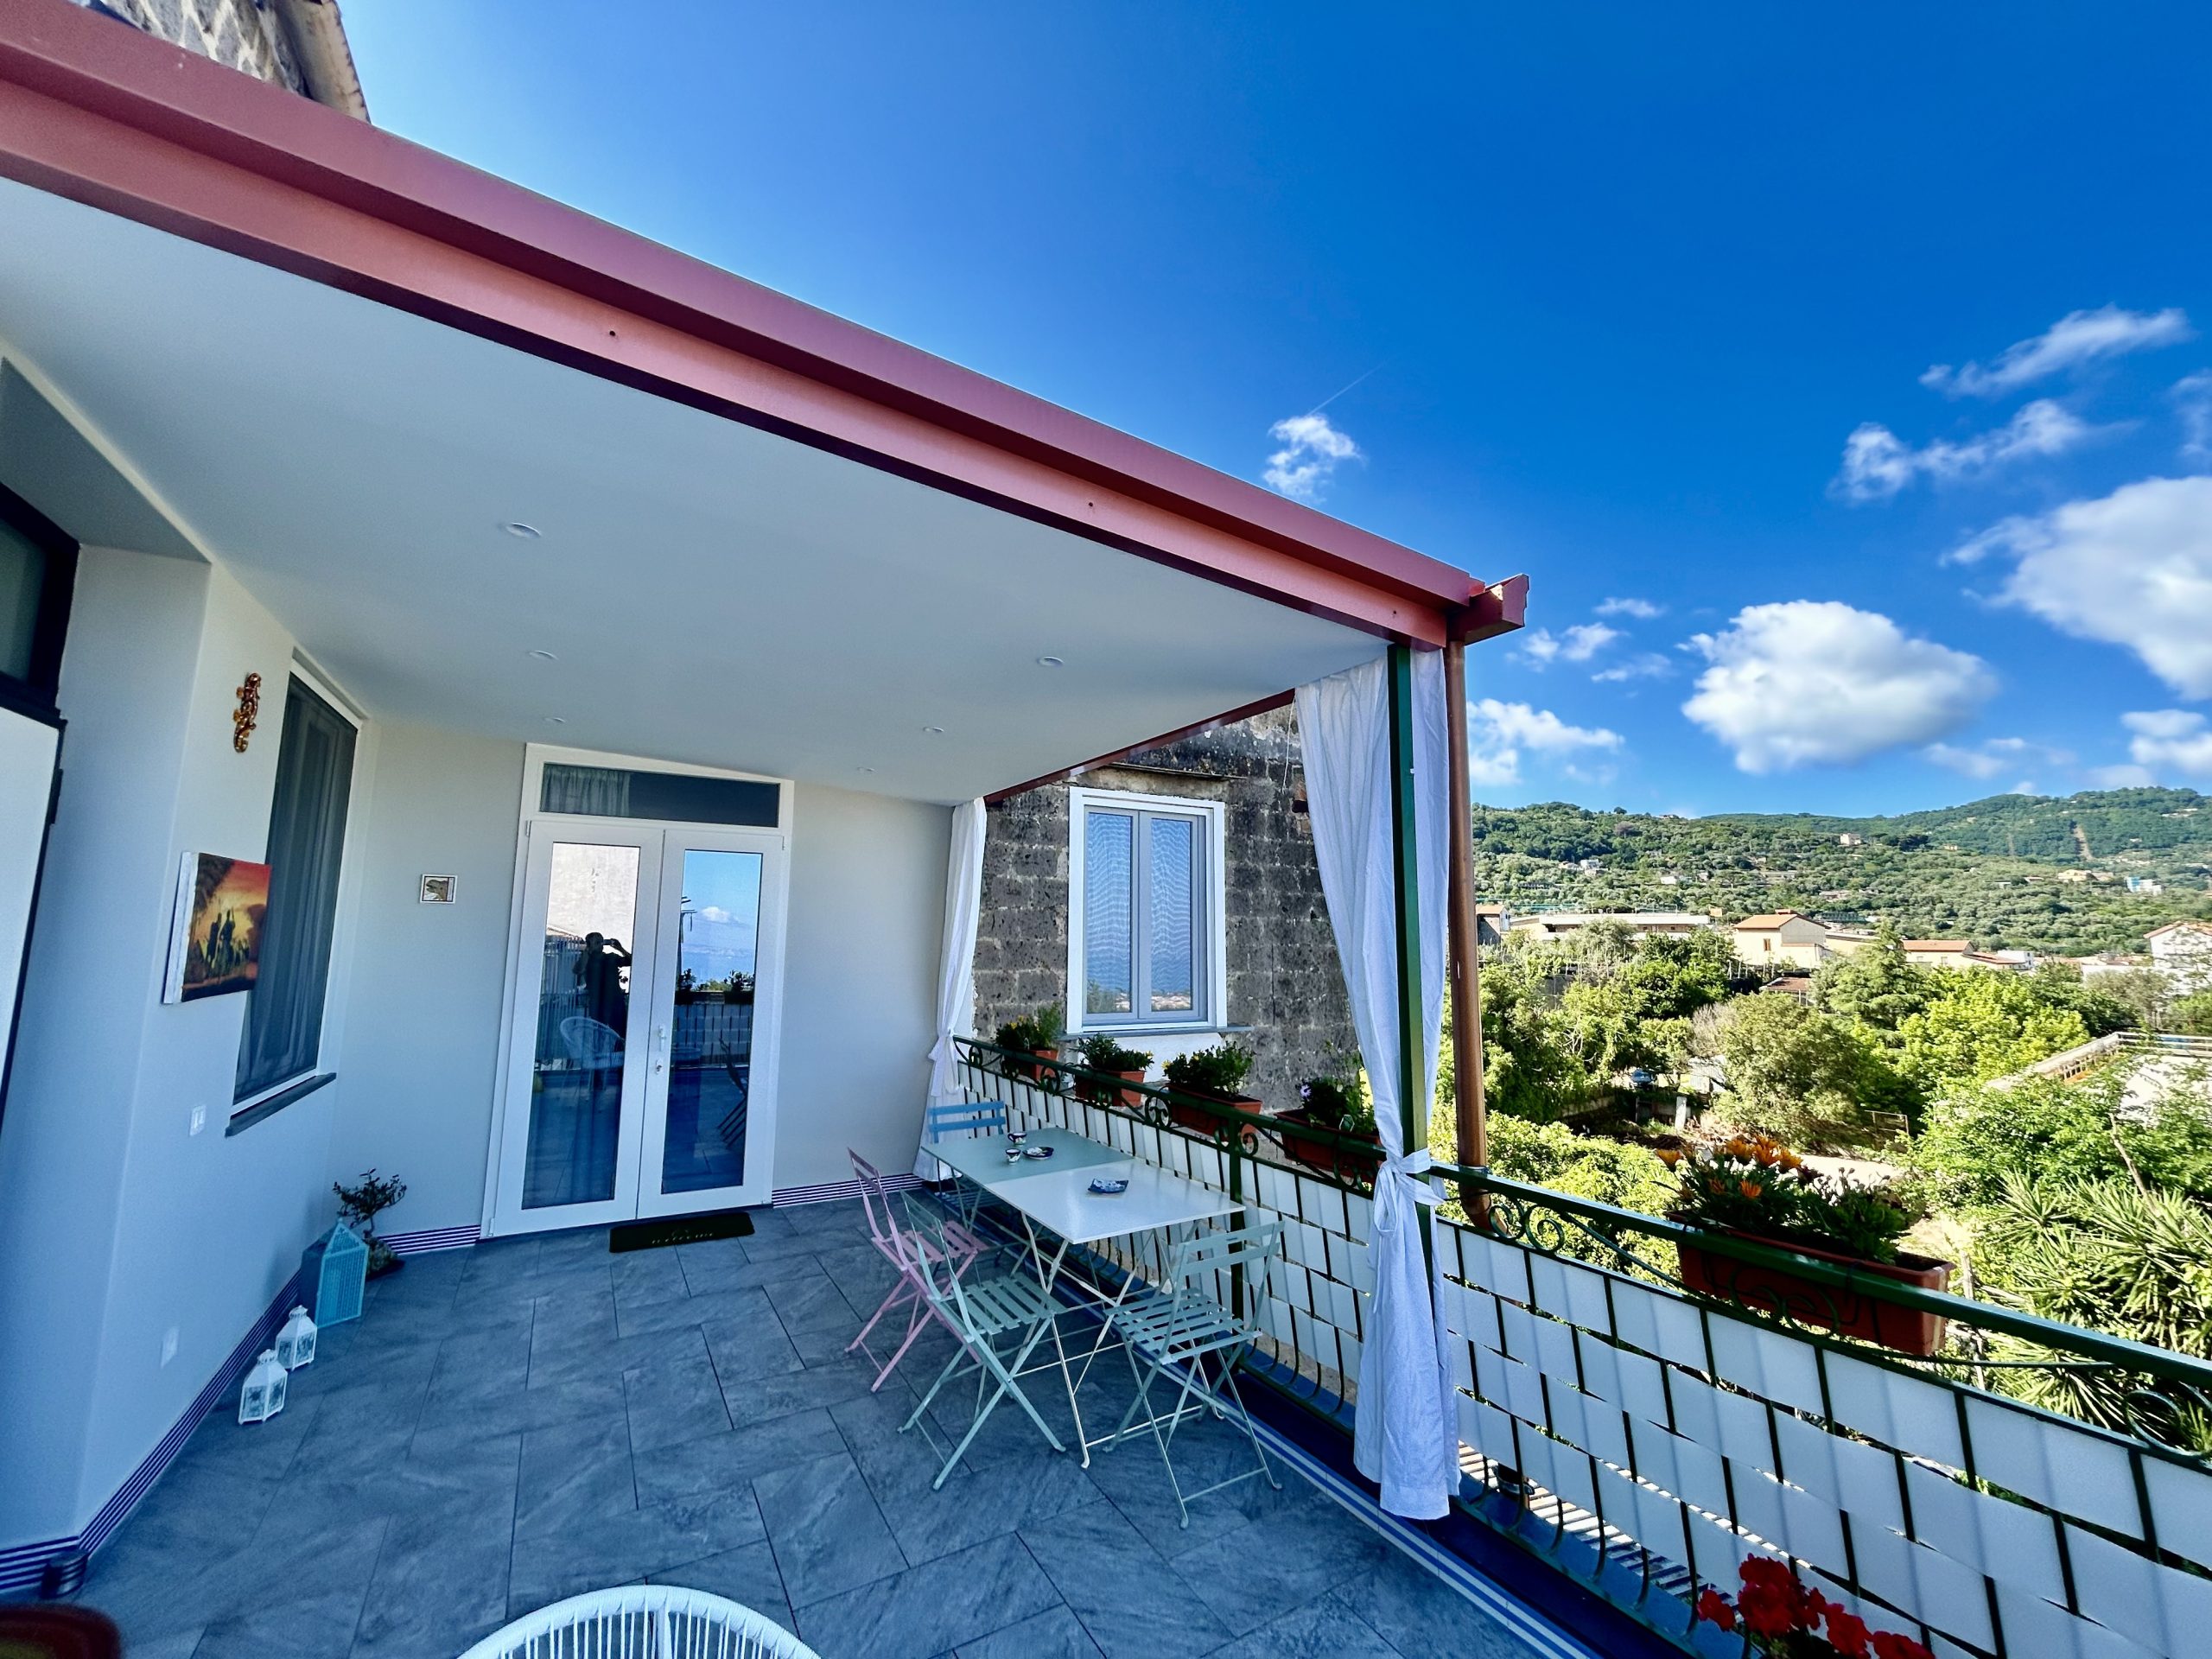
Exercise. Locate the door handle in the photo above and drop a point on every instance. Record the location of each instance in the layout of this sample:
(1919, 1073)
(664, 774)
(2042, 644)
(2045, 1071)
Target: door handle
(660, 1048)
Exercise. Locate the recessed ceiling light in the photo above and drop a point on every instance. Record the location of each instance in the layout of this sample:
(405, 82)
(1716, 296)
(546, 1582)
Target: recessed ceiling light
(933, 731)
(545, 656)
(1052, 662)
(520, 530)
(554, 719)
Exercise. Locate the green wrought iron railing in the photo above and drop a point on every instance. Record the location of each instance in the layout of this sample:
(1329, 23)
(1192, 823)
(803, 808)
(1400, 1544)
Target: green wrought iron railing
(1648, 1434)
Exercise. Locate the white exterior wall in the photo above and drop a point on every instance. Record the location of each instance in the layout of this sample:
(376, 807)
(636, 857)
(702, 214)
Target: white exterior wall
(422, 1019)
(867, 922)
(117, 1223)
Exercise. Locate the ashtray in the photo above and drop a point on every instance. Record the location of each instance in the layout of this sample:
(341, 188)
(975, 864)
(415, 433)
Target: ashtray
(1036, 1152)
(1109, 1185)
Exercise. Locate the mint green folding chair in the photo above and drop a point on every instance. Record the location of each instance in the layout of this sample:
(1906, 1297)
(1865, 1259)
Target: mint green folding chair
(999, 1314)
(1174, 1334)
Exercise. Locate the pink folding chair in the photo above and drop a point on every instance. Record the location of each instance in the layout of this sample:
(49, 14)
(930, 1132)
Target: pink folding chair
(959, 1251)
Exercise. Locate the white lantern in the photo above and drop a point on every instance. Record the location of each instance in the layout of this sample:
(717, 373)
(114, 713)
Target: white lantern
(263, 1396)
(296, 1342)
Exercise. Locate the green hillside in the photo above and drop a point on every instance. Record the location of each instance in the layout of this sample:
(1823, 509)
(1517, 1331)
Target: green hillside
(2024, 871)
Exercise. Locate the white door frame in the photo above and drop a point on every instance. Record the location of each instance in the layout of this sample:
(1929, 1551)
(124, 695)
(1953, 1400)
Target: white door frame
(498, 1220)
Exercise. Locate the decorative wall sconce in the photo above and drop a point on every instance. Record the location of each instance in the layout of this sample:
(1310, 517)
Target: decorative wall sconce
(248, 715)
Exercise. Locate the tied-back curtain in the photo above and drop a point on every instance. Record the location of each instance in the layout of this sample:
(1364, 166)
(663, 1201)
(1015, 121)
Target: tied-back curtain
(1406, 1435)
(956, 984)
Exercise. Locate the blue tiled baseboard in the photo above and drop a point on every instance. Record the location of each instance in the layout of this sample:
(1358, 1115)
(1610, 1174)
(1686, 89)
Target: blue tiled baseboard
(430, 1238)
(831, 1191)
(21, 1565)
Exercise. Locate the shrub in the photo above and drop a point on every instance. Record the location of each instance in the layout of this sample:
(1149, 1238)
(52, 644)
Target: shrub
(1753, 1184)
(1100, 1051)
(1220, 1070)
(2110, 1256)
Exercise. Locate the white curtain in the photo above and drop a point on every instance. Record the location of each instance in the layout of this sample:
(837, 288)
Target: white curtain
(955, 980)
(1407, 1431)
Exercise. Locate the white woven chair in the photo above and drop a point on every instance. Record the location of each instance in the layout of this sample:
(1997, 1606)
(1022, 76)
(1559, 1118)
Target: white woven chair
(643, 1621)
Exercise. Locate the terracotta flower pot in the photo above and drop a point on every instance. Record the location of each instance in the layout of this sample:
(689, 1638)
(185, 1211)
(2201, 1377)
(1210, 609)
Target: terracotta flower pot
(1326, 1155)
(1030, 1069)
(1847, 1313)
(1092, 1089)
(1190, 1117)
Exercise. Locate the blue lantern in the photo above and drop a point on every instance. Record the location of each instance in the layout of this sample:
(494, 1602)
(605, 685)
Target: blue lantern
(334, 1275)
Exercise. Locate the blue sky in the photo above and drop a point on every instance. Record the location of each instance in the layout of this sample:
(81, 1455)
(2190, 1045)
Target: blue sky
(1612, 288)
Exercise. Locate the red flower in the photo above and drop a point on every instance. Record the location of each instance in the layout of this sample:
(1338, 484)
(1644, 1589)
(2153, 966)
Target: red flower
(1767, 1614)
(1763, 1573)
(1846, 1633)
(1889, 1645)
(1713, 1607)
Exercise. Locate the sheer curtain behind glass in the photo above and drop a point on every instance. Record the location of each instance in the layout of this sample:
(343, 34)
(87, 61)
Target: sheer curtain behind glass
(307, 834)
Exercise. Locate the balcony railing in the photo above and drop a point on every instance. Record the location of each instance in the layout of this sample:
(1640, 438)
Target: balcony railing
(1648, 1439)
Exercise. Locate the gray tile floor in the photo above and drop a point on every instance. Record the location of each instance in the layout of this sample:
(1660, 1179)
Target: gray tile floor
(515, 1423)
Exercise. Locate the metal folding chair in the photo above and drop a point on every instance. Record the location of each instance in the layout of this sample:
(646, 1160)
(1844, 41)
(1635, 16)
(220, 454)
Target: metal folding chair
(999, 1315)
(961, 1120)
(1172, 1332)
(910, 1294)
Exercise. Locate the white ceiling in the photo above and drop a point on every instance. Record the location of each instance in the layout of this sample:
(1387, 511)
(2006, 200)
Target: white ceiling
(711, 593)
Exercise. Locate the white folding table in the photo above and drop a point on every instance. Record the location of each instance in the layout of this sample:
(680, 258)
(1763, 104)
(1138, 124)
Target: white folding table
(1052, 1197)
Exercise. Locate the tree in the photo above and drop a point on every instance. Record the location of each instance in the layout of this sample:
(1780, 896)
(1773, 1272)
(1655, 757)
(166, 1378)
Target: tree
(1527, 1070)
(2060, 985)
(1793, 1072)
(2143, 992)
(1980, 1026)
(2192, 1015)
(1876, 986)
(2072, 1132)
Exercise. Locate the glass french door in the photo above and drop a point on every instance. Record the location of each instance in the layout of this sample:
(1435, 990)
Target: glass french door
(640, 1073)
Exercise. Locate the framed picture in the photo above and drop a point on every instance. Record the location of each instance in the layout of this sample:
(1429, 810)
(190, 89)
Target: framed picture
(215, 933)
(437, 890)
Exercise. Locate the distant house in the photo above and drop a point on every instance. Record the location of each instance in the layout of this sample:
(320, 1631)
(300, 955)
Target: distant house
(1490, 923)
(1938, 953)
(1784, 938)
(2182, 951)
(1545, 925)
(1846, 839)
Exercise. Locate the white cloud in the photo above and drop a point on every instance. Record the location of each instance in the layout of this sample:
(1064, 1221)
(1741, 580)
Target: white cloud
(2171, 741)
(1644, 665)
(1642, 609)
(1820, 683)
(2077, 338)
(1499, 732)
(2192, 396)
(1312, 450)
(1995, 755)
(2131, 568)
(1576, 644)
(2121, 777)
(1876, 463)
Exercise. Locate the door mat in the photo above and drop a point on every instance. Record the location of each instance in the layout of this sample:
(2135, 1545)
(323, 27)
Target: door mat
(678, 1229)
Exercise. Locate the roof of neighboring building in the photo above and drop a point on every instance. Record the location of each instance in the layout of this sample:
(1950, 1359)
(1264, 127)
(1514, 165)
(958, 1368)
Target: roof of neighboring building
(1770, 920)
(2187, 922)
(1954, 946)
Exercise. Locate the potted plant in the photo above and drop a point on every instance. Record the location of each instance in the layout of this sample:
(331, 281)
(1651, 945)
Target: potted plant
(1216, 1073)
(1337, 1101)
(1780, 1616)
(1037, 1033)
(360, 1205)
(1756, 1188)
(1101, 1054)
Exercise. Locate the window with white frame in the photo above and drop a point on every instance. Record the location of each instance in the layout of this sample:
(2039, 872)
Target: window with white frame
(1144, 902)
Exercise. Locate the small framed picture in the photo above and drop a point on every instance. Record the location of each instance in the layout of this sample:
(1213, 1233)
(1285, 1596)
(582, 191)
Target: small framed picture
(437, 890)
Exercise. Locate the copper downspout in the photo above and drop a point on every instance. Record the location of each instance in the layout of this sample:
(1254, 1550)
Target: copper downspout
(1465, 943)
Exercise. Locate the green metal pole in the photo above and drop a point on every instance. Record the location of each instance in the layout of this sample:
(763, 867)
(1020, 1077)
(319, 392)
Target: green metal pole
(1413, 1111)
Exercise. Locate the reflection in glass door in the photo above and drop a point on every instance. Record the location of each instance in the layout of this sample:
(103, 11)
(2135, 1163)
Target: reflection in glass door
(583, 1025)
(712, 1075)
(710, 1059)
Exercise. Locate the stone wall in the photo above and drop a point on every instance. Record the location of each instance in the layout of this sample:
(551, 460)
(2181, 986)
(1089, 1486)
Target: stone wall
(238, 33)
(1284, 981)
